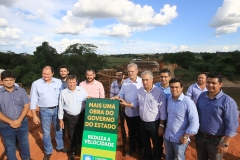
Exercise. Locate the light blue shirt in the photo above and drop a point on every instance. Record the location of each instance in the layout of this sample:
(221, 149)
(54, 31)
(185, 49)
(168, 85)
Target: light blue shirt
(152, 104)
(114, 89)
(45, 95)
(72, 101)
(129, 92)
(218, 115)
(166, 91)
(182, 118)
(194, 91)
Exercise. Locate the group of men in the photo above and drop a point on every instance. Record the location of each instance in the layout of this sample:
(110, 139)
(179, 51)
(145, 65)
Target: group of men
(163, 114)
(158, 112)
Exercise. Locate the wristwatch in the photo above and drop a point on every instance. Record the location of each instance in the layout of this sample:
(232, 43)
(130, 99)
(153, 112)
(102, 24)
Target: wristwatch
(224, 145)
(161, 125)
(185, 137)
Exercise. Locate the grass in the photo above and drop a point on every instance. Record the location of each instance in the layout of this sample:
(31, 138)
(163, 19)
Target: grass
(117, 61)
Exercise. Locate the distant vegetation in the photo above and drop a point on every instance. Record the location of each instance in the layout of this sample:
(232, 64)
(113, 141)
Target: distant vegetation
(79, 57)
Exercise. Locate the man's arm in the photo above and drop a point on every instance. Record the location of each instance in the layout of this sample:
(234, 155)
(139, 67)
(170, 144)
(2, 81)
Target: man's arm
(33, 103)
(5, 119)
(189, 92)
(111, 90)
(18, 121)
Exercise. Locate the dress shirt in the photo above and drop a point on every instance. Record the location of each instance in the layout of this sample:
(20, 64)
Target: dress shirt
(194, 91)
(129, 92)
(94, 90)
(152, 104)
(114, 89)
(45, 94)
(166, 91)
(12, 103)
(72, 101)
(218, 115)
(182, 118)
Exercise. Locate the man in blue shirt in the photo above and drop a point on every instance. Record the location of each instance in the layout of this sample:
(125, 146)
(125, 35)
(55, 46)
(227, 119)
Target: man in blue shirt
(129, 93)
(14, 106)
(197, 88)
(117, 84)
(182, 121)
(152, 111)
(71, 112)
(218, 117)
(165, 76)
(63, 71)
(45, 94)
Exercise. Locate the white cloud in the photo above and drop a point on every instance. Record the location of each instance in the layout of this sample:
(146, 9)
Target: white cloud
(9, 33)
(3, 22)
(33, 42)
(73, 25)
(227, 18)
(183, 47)
(7, 3)
(26, 16)
(130, 17)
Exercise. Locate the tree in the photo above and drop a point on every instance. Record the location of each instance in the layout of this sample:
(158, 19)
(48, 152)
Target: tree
(80, 49)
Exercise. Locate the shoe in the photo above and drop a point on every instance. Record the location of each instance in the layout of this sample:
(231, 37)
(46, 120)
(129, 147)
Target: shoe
(129, 152)
(46, 156)
(64, 150)
(71, 157)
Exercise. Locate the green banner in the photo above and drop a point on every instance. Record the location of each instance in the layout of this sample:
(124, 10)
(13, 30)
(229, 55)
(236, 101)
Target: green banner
(99, 140)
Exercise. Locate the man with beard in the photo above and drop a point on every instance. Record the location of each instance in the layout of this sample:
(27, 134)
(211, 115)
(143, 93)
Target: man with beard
(165, 76)
(93, 87)
(116, 85)
(197, 88)
(218, 118)
(14, 106)
(63, 71)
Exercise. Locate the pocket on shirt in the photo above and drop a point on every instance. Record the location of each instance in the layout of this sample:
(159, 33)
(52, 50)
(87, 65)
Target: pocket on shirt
(19, 102)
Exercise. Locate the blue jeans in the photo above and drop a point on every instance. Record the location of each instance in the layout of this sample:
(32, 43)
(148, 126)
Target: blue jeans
(174, 150)
(48, 116)
(9, 138)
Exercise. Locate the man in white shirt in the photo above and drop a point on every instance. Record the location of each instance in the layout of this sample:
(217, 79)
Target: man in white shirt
(71, 112)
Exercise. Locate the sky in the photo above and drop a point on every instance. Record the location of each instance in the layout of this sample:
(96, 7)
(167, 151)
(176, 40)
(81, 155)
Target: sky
(121, 26)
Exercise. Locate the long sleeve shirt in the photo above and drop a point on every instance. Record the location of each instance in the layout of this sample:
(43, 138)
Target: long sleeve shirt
(218, 115)
(182, 118)
(72, 101)
(166, 91)
(194, 91)
(94, 90)
(129, 92)
(152, 104)
(45, 94)
(114, 89)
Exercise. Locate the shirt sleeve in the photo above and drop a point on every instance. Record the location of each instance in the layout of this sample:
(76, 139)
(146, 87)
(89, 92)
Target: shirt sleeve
(25, 97)
(101, 91)
(231, 118)
(111, 90)
(60, 106)
(192, 118)
(120, 94)
(189, 92)
(162, 106)
(33, 96)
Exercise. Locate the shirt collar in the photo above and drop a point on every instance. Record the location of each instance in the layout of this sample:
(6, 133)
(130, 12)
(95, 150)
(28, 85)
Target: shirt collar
(150, 90)
(3, 89)
(53, 80)
(94, 82)
(137, 80)
(180, 98)
(77, 89)
(217, 96)
(160, 85)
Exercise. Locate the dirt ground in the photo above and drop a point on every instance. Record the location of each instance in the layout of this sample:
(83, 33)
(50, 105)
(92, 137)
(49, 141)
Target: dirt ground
(37, 152)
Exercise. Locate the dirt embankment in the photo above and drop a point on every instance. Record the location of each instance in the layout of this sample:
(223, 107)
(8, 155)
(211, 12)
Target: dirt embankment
(37, 151)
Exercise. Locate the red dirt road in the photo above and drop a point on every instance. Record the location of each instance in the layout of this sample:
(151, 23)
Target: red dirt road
(37, 152)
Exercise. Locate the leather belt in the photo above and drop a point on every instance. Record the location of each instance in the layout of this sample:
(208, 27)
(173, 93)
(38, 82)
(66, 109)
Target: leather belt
(210, 136)
(52, 107)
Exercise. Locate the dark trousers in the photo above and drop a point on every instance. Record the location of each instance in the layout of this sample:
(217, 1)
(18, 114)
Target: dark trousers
(74, 126)
(150, 130)
(206, 147)
(134, 136)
